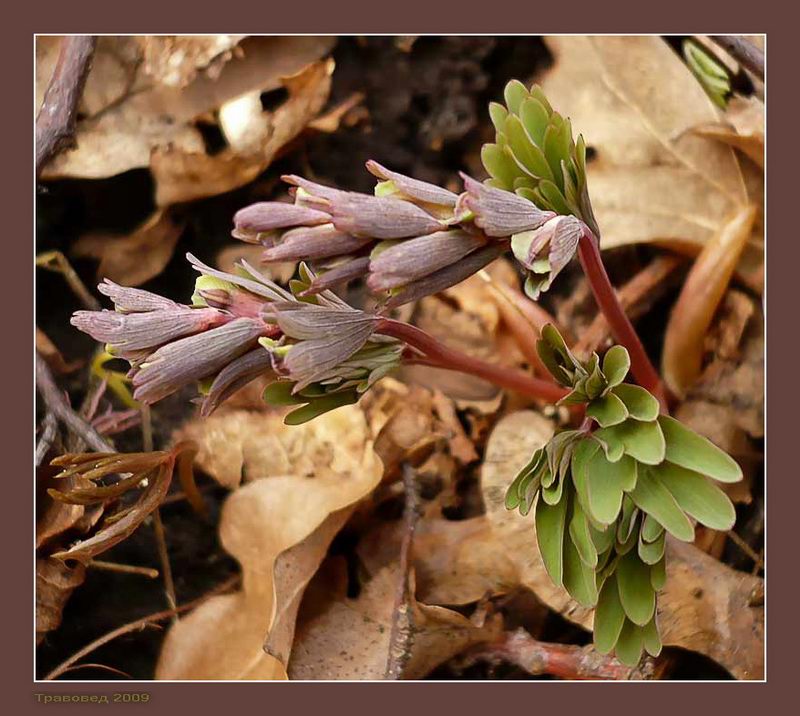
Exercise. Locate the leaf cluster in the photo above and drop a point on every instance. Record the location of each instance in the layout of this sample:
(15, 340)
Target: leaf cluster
(606, 495)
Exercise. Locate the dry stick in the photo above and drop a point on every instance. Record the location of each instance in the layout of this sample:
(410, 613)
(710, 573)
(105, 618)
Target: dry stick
(402, 635)
(566, 661)
(743, 51)
(58, 405)
(139, 624)
(621, 327)
(440, 356)
(123, 568)
(55, 123)
(49, 433)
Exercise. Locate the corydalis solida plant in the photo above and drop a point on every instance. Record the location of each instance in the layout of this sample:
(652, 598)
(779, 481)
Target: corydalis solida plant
(604, 495)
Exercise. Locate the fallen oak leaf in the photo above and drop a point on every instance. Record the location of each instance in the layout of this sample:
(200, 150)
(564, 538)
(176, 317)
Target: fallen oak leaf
(302, 487)
(55, 582)
(133, 259)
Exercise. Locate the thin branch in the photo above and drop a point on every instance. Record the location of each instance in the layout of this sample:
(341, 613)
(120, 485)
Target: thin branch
(138, 625)
(743, 51)
(55, 123)
(49, 434)
(438, 355)
(565, 661)
(123, 568)
(58, 405)
(402, 635)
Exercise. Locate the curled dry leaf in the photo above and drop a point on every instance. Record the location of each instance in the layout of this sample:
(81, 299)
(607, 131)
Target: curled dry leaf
(340, 638)
(705, 606)
(55, 581)
(653, 178)
(742, 128)
(304, 482)
(684, 338)
(152, 124)
(133, 259)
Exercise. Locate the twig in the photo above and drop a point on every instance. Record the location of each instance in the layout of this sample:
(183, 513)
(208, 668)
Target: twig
(123, 568)
(55, 123)
(565, 661)
(58, 405)
(747, 549)
(49, 433)
(743, 51)
(137, 625)
(58, 263)
(402, 634)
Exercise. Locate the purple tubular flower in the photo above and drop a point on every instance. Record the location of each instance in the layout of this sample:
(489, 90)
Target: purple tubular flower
(346, 271)
(235, 375)
(327, 337)
(258, 284)
(448, 276)
(271, 215)
(501, 213)
(415, 258)
(414, 189)
(313, 243)
(181, 362)
(314, 192)
(381, 217)
(135, 331)
(133, 300)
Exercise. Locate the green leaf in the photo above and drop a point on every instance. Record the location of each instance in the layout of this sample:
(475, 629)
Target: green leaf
(583, 452)
(516, 490)
(627, 520)
(697, 496)
(652, 497)
(612, 445)
(550, 358)
(550, 523)
(651, 529)
(651, 637)
(694, 452)
(579, 580)
(514, 94)
(603, 538)
(658, 574)
(635, 590)
(642, 441)
(552, 493)
(535, 118)
(616, 364)
(499, 165)
(538, 94)
(498, 114)
(320, 406)
(609, 617)
(553, 195)
(525, 151)
(606, 481)
(640, 404)
(652, 552)
(280, 393)
(629, 645)
(581, 536)
(607, 411)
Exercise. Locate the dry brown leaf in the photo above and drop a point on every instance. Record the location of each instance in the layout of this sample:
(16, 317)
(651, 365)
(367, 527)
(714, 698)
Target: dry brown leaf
(133, 259)
(55, 581)
(152, 118)
(305, 481)
(183, 172)
(705, 285)
(175, 60)
(742, 128)
(49, 351)
(705, 606)
(340, 638)
(653, 178)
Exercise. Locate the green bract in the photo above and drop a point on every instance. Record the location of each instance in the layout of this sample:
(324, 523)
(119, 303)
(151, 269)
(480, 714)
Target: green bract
(605, 496)
(711, 74)
(535, 156)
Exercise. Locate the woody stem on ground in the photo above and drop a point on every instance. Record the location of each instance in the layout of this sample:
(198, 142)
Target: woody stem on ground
(438, 355)
(621, 327)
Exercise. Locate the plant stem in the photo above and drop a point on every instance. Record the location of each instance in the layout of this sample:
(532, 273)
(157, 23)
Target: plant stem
(440, 356)
(621, 327)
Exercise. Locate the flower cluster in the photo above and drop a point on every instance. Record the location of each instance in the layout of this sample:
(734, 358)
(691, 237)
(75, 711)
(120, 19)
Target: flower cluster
(322, 352)
(607, 494)
(409, 240)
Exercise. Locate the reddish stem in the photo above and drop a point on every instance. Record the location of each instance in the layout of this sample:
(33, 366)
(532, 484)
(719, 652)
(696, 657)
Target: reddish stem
(621, 327)
(440, 356)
